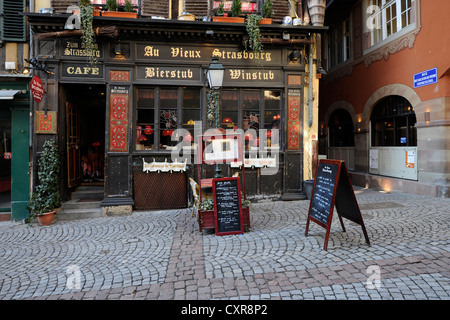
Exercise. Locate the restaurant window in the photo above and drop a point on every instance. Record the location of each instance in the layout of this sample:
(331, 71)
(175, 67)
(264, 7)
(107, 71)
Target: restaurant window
(160, 111)
(242, 109)
(385, 18)
(340, 129)
(393, 123)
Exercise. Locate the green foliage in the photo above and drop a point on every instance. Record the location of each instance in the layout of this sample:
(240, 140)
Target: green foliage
(111, 5)
(236, 8)
(88, 37)
(219, 11)
(253, 32)
(128, 6)
(46, 196)
(267, 11)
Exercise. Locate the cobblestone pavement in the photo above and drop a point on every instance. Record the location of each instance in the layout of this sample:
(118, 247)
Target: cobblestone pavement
(162, 255)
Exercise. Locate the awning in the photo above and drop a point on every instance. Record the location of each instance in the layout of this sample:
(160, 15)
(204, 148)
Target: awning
(8, 94)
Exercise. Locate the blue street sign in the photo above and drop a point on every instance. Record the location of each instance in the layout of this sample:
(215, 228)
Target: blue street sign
(425, 78)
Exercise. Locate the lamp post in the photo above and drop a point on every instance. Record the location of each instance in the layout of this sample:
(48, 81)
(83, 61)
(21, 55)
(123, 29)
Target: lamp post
(215, 74)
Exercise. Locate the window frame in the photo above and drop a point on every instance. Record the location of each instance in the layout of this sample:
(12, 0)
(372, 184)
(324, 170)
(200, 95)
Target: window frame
(378, 20)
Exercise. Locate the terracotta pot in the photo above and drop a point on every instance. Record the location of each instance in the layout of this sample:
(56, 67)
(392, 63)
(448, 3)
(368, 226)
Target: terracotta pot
(266, 21)
(119, 14)
(46, 219)
(229, 19)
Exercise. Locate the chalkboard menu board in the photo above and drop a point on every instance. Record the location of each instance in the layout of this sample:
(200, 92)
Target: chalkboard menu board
(227, 206)
(332, 187)
(322, 198)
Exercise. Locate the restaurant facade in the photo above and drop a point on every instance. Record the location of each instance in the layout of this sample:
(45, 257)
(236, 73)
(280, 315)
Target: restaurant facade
(130, 122)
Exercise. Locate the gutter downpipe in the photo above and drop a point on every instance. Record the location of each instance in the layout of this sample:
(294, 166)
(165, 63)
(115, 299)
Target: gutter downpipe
(310, 91)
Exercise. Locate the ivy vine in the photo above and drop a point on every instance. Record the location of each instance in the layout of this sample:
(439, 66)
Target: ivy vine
(88, 37)
(253, 40)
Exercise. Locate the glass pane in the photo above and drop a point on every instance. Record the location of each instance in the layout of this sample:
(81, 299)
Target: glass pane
(191, 98)
(251, 100)
(229, 109)
(250, 120)
(169, 98)
(272, 99)
(144, 129)
(146, 98)
(168, 123)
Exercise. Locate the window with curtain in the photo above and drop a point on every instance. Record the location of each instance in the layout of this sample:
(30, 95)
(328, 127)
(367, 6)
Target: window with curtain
(160, 111)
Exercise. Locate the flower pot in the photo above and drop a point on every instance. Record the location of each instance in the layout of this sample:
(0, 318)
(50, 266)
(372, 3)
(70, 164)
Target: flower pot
(308, 185)
(46, 219)
(119, 14)
(266, 21)
(229, 19)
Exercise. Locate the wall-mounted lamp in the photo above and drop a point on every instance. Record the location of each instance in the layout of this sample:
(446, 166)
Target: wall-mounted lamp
(295, 55)
(118, 49)
(427, 117)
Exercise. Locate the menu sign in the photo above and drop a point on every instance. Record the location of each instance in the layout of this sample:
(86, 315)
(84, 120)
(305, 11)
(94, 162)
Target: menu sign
(332, 186)
(227, 206)
(323, 192)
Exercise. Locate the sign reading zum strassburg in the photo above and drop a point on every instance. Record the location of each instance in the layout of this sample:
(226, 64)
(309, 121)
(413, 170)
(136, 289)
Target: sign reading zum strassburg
(425, 78)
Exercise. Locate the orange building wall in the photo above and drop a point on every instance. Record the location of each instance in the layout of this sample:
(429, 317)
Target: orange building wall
(431, 49)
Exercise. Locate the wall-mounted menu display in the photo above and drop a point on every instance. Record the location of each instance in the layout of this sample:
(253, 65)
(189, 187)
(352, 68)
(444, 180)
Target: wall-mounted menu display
(227, 206)
(332, 186)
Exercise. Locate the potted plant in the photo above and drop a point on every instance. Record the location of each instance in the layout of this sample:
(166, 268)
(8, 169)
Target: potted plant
(235, 14)
(112, 7)
(267, 12)
(46, 197)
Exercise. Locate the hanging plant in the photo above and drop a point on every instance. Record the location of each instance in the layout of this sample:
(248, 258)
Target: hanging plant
(253, 40)
(88, 36)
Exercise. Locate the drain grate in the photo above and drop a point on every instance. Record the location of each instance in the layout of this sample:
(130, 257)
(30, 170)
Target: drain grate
(380, 205)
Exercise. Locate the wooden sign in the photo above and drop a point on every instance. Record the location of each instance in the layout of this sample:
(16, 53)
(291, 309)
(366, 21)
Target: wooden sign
(332, 187)
(227, 206)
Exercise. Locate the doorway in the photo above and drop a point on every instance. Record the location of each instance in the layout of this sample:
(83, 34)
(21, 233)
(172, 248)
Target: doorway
(85, 133)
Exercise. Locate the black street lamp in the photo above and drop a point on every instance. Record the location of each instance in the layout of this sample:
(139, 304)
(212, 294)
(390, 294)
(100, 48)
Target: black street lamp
(215, 74)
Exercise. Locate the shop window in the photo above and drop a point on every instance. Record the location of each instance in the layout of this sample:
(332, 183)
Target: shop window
(393, 123)
(340, 128)
(160, 111)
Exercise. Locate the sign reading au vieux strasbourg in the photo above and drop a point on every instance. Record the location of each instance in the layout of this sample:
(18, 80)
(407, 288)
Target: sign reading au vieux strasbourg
(332, 186)
(37, 89)
(247, 61)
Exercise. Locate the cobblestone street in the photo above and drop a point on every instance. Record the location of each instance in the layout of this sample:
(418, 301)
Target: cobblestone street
(162, 255)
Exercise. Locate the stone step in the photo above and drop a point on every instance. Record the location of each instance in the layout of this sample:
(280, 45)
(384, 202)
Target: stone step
(81, 204)
(87, 193)
(75, 214)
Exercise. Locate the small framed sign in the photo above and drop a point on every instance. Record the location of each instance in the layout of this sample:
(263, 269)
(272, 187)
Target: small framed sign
(45, 123)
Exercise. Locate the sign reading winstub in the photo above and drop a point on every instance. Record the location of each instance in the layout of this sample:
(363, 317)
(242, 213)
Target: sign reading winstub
(425, 78)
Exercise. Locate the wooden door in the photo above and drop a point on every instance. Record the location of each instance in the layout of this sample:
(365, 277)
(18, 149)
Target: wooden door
(73, 145)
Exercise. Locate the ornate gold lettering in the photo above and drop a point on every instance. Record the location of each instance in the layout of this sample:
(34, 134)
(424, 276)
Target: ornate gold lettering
(149, 51)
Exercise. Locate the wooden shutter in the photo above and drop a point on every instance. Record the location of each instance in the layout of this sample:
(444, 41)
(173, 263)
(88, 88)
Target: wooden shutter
(155, 8)
(199, 8)
(60, 6)
(280, 9)
(13, 26)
